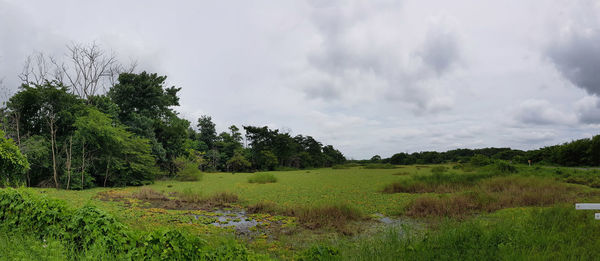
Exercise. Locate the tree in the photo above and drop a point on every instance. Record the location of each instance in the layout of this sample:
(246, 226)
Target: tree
(87, 70)
(13, 164)
(120, 157)
(238, 162)
(37, 150)
(375, 159)
(267, 160)
(145, 107)
(47, 110)
(207, 131)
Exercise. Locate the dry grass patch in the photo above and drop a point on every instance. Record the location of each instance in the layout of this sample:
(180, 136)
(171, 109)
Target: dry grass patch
(337, 217)
(148, 194)
(494, 194)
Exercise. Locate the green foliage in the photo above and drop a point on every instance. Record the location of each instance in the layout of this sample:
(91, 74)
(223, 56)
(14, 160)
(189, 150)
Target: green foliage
(505, 167)
(480, 160)
(188, 170)
(121, 158)
(319, 253)
(13, 165)
(262, 178)
(267, 160)
(559, 233)
(91, 233)
(238, 162)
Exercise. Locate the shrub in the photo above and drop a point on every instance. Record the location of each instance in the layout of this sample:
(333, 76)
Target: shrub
(480, 160)
(505, 167)
(97, 235)
(189, 172)
(262, 178)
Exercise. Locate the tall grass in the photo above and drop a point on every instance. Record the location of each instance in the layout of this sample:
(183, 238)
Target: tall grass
(559, 233)
(494, 194)
(262, 178)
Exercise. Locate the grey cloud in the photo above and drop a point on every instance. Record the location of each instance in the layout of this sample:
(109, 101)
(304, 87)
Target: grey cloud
(577, 57)
(541, 112)
(588, 110)
(358, 57)
(440, 49)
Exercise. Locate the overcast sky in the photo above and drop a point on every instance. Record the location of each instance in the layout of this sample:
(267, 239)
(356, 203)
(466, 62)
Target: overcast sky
(369, 77)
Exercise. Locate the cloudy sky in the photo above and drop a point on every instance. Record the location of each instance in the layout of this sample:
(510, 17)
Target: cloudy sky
(369, 77)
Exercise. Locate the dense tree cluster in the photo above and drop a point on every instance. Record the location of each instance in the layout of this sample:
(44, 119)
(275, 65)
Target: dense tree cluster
(583, 152)
(68, 134)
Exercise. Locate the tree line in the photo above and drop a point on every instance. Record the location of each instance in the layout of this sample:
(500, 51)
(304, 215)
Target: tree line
(582, 152)
(90, 121)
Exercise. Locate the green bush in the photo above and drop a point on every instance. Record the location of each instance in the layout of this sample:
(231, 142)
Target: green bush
(189, 172)
(262, 178)
(506, 167)
(90, 233)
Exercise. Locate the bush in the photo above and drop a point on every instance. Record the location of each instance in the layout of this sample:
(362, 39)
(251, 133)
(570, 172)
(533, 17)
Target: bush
(262, 178)
(505, 167)
(189, 172)
(480, 160)
(97, 235)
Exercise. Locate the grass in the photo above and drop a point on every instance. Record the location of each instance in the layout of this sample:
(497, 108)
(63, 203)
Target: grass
(317, 199)
(379, 166)
(494, 194)
(558, 233)
(262, 178)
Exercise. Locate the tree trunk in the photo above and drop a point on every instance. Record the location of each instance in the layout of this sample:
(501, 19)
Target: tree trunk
(82, 161)
(53, 141)
(107, 168)
(69, 153)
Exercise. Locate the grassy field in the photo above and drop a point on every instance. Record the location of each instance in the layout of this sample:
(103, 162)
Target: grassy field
(364, 213)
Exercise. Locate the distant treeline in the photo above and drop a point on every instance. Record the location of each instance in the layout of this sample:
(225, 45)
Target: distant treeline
(583, 152)
(68, 133)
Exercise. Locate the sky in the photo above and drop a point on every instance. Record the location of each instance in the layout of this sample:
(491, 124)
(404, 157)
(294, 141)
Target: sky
(366, 76)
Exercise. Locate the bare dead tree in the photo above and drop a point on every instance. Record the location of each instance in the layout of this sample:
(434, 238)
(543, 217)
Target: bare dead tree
(89, 70)
(39, 68)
